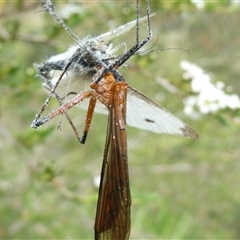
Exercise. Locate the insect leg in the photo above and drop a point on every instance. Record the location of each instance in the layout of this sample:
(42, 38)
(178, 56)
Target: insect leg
(62, 109)
(91, 106)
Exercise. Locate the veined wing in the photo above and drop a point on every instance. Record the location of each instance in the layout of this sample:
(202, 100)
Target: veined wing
(113, 210)
(144, 113)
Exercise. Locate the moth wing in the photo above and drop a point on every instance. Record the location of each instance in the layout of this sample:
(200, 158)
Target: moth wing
(120, 30)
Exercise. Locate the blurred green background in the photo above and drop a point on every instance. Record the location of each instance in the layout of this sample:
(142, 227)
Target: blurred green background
(181, 189)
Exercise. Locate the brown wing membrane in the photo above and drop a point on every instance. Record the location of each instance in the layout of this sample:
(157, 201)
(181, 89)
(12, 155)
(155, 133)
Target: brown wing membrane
(113, 209)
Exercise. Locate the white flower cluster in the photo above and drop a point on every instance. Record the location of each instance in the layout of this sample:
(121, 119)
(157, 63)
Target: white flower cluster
(209, 97)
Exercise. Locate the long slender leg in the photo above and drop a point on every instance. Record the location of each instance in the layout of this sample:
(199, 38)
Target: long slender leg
(62, 109)
(91, 107)
(68, 118)
(52, 92)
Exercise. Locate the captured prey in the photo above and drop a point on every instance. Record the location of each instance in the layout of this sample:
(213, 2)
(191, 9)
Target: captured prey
(88, 74)
(80, 62)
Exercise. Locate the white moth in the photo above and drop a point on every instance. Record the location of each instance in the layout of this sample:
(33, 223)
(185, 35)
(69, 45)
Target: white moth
(142, 112)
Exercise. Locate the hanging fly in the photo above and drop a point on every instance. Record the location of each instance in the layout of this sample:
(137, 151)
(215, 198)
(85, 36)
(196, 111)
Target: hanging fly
(88, 71)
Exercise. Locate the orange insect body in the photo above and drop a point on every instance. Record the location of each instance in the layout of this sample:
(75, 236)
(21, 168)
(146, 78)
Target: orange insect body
(114, 201)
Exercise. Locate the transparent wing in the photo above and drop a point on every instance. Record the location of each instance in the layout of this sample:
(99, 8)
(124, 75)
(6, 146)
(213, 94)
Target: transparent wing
(120, 30)
(144, 113)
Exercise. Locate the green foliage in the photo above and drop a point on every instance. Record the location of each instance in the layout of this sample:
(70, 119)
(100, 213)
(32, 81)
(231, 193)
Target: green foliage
(181, 189)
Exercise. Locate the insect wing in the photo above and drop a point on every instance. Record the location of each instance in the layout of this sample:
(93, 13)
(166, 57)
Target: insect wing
(144, 113)
(113, 210)
(120, 30)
